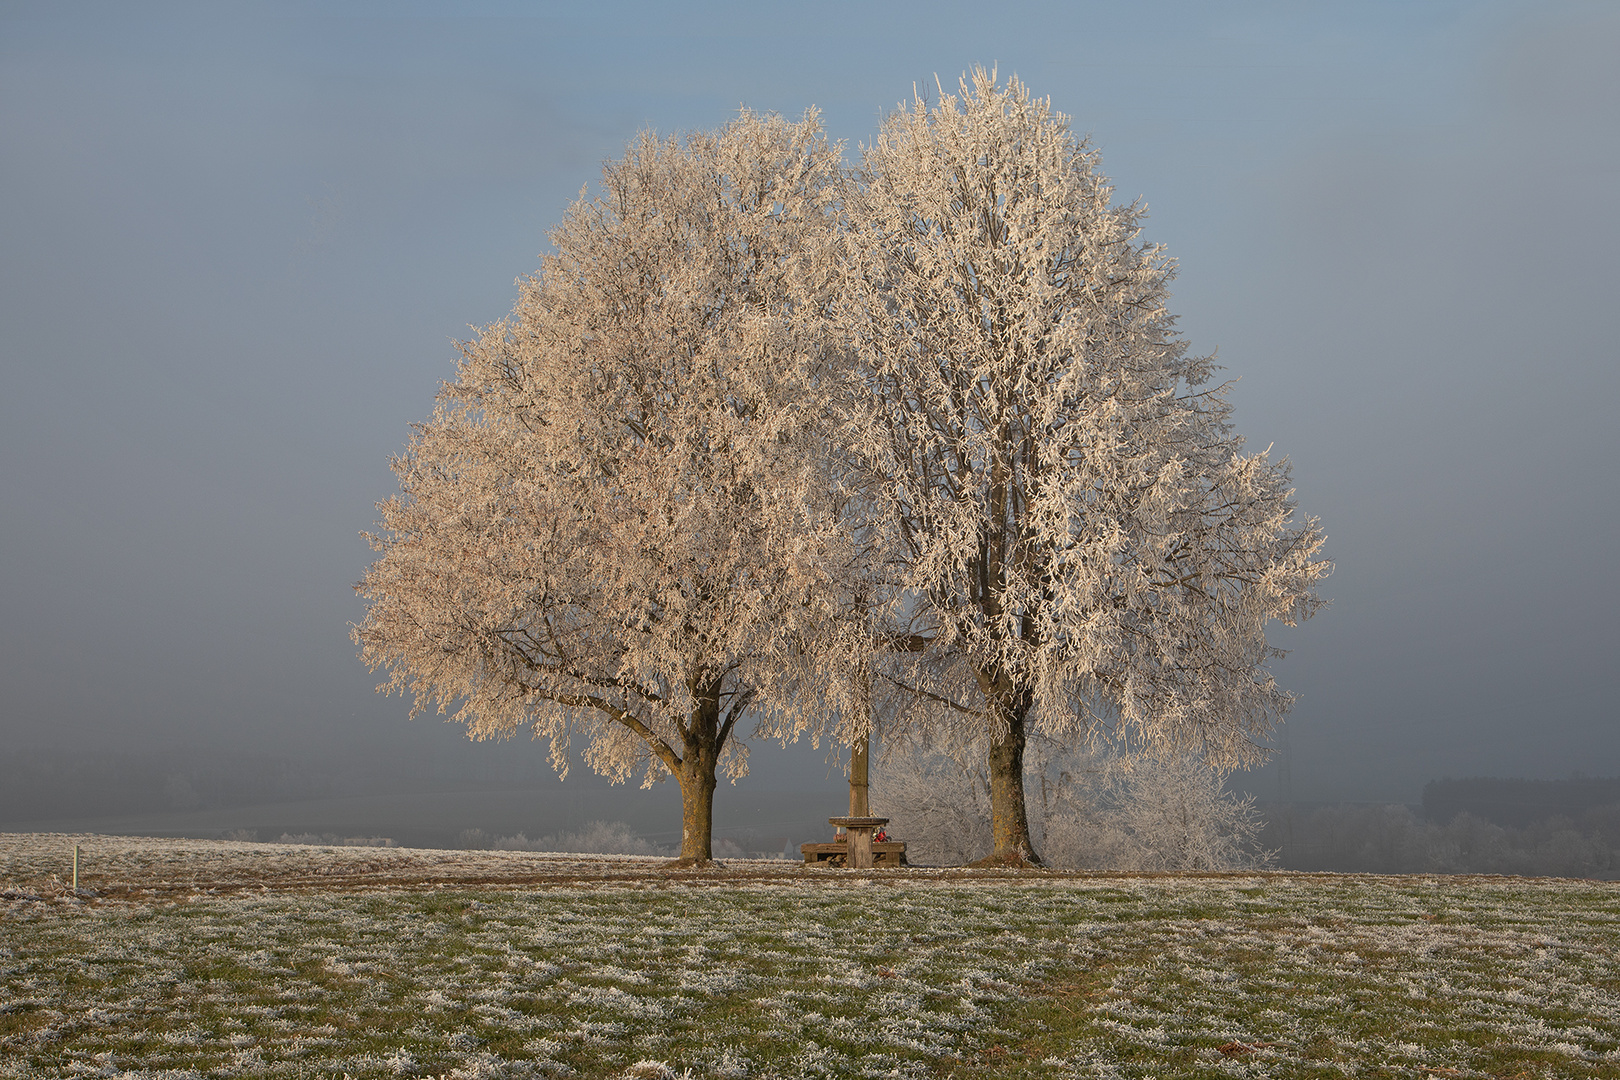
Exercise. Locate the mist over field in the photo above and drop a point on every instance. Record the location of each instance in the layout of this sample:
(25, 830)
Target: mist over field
(236, 249)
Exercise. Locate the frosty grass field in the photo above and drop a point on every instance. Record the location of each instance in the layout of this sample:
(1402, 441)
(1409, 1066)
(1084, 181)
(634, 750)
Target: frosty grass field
(199, 958)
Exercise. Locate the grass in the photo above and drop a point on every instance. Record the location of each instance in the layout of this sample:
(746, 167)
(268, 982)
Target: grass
(748, 973)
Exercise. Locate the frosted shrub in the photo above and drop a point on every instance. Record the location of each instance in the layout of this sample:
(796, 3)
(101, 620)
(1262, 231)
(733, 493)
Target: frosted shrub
(727, 848)
(334, 840)
(598, 838)
(1091, 811)
(1169, 814)
(937, 804)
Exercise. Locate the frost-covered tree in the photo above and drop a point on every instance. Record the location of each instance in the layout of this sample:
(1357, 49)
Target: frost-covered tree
(1090, 810)
(937, 802)
(1168, 812)
(1075, 538)
(616, 524)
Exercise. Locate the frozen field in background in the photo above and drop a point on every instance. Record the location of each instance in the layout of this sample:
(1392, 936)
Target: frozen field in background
(117, 865)
(200, 958)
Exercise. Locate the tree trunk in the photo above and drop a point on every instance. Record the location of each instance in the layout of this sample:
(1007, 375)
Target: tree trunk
(697, 808)
(1009, 818)
(703, 736)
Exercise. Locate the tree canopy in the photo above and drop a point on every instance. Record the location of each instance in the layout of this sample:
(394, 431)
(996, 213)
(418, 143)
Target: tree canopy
(617, 523)
(764, 443)
(1074, 535)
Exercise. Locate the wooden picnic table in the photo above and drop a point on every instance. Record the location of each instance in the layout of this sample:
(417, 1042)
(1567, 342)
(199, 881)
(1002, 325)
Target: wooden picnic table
(885, 853)
(859, 851)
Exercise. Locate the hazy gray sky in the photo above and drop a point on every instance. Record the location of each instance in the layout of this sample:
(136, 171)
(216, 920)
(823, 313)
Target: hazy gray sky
(236, 246)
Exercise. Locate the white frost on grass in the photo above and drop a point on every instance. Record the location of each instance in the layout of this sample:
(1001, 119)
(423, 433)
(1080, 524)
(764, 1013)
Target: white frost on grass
(797, 976)
(32, 863)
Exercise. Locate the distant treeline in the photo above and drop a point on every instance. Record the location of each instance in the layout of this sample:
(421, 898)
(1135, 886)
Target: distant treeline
(1559, 828)
(1518, 804)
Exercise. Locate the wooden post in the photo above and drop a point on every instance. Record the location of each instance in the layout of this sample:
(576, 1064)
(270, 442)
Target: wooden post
(858, 839)
(859, 752)
(860, 824)
(860, 849)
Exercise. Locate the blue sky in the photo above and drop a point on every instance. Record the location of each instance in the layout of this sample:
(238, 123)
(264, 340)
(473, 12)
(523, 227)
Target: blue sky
(236, 246)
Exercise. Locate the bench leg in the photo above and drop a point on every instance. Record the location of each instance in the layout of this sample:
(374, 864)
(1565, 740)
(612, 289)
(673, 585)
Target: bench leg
(860, 848)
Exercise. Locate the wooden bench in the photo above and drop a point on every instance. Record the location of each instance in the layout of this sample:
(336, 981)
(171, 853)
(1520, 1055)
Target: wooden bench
(884, 853)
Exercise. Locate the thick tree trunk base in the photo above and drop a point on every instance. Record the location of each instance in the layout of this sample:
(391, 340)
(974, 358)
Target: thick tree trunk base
(697, 808)
(1009, 820)
(1026, 860)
